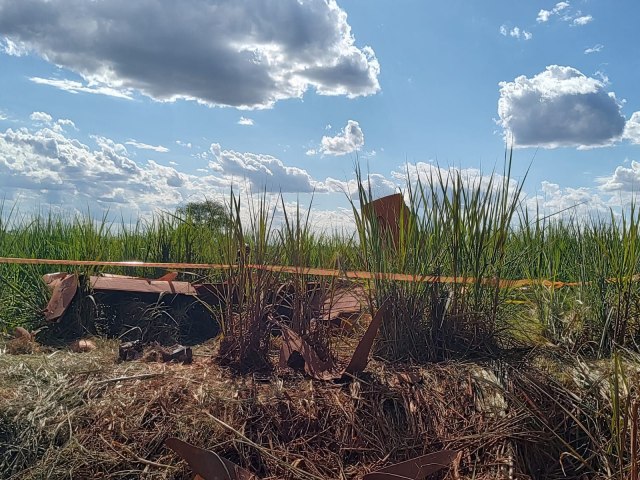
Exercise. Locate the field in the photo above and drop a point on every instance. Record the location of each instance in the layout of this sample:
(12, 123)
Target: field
(531, 379)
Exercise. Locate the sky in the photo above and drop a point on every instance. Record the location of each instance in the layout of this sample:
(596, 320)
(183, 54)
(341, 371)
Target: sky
(134, 107)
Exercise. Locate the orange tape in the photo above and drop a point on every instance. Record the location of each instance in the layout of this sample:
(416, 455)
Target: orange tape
(321, 272)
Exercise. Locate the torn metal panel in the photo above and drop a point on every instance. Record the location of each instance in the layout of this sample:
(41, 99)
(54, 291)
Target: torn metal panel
(65, 286)
(326, 370)
(391, 214)
(416, 468)
(313, 365)
(206, 464)
(360, 357)
(343, 303)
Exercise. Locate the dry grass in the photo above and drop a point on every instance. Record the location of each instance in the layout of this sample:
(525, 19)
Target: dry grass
(68, 415)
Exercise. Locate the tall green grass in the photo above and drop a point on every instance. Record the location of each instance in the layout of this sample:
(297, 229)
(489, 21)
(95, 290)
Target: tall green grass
(454, 226)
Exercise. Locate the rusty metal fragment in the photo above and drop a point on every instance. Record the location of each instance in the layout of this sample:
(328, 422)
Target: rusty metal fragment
(360, 357)
(65, 286)
(130, 351)
(168, 277)
(206, 464)
(391, 214)
(415, 469)
(293, 344)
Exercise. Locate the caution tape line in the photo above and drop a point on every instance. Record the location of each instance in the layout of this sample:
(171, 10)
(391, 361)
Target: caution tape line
(322, 272)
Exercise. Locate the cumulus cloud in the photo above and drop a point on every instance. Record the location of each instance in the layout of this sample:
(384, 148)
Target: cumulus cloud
(348, 141)
(545, 15)
(56, 169)
(560, 107)
(595, 49)
(582, 20)
(379, 185)
(262, 172)
(632, 129)
(41, 117)
(245, 121)
(623, 179)
(252, 55)
(552, 199)
(145, 146)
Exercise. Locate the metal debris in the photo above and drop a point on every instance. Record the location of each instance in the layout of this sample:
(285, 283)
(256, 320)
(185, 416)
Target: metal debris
(296, 350)
(208, 465)
(130, 351)
(64, 286)
(415, 469)
(389, 212)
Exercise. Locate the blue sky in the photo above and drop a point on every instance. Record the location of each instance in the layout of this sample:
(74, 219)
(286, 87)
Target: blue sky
(138, 106)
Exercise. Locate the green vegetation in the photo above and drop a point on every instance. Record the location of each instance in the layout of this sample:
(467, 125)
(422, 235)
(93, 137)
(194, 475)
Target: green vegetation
(575, 346)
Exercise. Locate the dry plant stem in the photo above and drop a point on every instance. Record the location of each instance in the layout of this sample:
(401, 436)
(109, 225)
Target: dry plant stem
(295, 470)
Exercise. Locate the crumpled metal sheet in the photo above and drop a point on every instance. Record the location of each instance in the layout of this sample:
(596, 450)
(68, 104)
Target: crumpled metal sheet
(65, 286)
(207, 464)
(415, 469)
(326, 370)
(343, 302)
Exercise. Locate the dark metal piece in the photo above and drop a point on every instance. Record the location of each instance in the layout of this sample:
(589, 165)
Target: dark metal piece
(179, 354)
(415, 469)
(130, 351)
(295, 350)
(65, 286)
(207, 464)
(313, 365)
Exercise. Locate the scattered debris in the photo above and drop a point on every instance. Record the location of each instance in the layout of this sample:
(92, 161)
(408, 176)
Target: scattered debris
(416, 468)
(297, 353)
(130, 351)
(157, 353)
(208, 465)
(82, 346)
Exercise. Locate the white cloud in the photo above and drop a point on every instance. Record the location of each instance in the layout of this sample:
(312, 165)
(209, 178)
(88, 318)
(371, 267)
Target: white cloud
(632, 129)
(252, 55)
(379, 185)
(552, 199)
(311, 152)
(183, 144)
(77, 87)
(245, 121)
(623, 179)
(515, 32)
(41, 117)
(595, 49)
(582, 20)
(348, 141)
(145, 146)
(52, 168)
(65, 122)
(543, 16)
(262, 172)
(560, 107)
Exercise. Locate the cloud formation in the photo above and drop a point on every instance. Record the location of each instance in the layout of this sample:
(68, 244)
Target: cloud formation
(545, 15)
(245, 121)
(595, 49)
(146, 146)
(623, 179)
(348, 141)
(632, 129)
(262, 172)
(515, 32)
(41, 117)
(560, 107)
(252, 55)
(52, 168)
